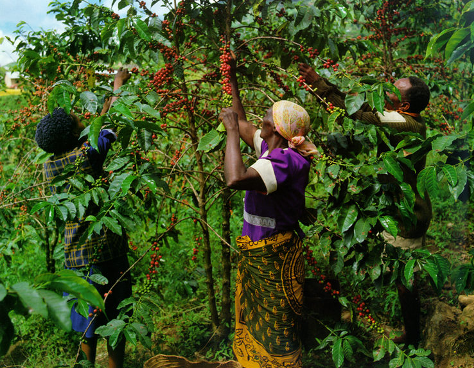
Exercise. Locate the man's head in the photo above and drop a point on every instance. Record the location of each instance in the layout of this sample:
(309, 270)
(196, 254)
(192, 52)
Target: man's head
(58, 132)
(415, 95)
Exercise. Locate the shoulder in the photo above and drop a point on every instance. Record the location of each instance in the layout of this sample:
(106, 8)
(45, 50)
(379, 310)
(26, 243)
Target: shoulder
(391, 117)
(290, 159)
(257, 143)
(108, 134)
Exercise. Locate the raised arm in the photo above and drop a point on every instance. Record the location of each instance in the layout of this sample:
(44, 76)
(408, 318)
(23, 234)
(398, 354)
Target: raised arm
(246, 129)
(332, 94)
(237, 176)
(122, 76)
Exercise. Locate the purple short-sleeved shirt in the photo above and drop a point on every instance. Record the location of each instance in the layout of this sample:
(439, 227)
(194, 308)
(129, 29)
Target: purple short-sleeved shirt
(285, 173)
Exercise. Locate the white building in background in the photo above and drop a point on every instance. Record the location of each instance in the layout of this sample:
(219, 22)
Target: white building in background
(11, 79)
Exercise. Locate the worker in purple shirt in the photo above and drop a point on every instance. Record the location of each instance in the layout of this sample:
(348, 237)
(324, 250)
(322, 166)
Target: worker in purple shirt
(270, 273)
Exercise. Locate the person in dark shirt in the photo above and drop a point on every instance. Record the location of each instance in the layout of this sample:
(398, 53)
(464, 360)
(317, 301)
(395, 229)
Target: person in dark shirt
(404, 116)
(105, 253)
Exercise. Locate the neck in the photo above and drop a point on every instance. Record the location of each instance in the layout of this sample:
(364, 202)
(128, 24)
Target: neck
(414, 114)
(276, 142)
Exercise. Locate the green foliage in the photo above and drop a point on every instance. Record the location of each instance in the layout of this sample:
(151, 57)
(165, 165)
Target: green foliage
(412, 358)
(344, 346)
(42, 298)
(456, 41)
(163, 184)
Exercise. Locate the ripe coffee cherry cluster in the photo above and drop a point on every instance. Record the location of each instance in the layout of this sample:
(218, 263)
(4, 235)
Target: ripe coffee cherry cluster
(281, 13)
(361, 308)
(225, 68)
(95, 312)
(445, 127)
(174, 220)
(328, 63)
(169, 53)
(23, 209)
(115, 16)
(367, 56)
(278, 81)
(154, 260)
(312, 52)
(174, 161)
(181, 11)
(196, 249)
(364, 312)
(174, 106)
(163, 76)
(328, 289)
(166, 26)
(312, 262)
(315, 270)
(302, 83)
(268, 55)
(176, 156)
(132, 246)
(210, 76)
(207, 113)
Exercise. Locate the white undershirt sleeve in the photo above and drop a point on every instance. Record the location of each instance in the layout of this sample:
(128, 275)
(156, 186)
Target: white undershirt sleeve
(257, 142)
(265, 170)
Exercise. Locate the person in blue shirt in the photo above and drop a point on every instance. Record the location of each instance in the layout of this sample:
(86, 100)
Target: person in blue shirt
(105, 253)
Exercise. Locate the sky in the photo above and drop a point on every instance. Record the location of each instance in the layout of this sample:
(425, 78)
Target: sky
(35, 14)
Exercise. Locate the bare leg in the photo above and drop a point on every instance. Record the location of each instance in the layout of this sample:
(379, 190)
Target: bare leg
(410, 306)
(117, 355)
(89, 347)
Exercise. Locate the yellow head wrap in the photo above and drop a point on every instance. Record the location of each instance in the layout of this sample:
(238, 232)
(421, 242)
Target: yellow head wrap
(293, 123)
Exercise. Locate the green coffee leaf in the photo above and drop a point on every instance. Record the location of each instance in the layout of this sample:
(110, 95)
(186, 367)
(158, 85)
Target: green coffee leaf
(389, 224)
(353, 103)
(347, 217)
(58, 309)
(361, 229)
(112, 224)
(89, 101)
(30, 298)
(142, 29)
(393, 167)
(210, 141)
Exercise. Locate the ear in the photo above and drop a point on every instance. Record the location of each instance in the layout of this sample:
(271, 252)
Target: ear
(404, 106)
(77, 131)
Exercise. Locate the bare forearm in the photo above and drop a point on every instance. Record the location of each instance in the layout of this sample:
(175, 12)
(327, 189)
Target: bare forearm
(238, 176)
(117, 85)
(236, 102)
(333, 95)
(234, 167)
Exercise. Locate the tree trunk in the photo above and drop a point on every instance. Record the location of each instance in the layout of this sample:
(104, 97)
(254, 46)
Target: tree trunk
(226, 314)
(202, 179)
(50, 239)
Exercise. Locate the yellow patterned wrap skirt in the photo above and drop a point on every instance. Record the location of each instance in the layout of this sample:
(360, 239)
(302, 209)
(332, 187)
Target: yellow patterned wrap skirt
(268, 302)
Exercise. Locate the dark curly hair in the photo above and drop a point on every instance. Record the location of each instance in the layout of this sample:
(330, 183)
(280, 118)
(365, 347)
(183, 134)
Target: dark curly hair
(55, 132)
(418, 95)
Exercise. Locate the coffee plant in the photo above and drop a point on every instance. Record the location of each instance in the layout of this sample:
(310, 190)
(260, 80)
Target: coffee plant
(163, 182)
